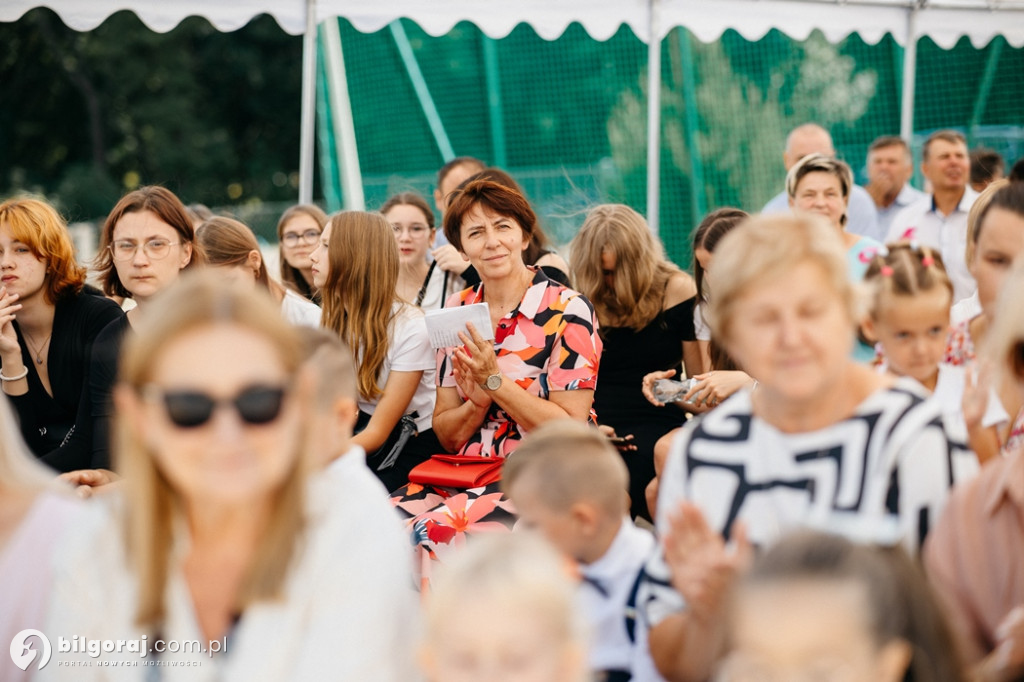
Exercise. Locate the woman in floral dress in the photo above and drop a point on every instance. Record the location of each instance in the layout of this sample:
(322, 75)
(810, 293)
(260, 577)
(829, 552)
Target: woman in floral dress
(542, 364)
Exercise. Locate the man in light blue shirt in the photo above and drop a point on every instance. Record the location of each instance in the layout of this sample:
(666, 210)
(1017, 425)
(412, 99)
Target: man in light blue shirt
(811, 138)
(890, 166)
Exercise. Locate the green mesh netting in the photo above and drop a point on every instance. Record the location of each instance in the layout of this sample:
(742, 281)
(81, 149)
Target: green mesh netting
(568, 117)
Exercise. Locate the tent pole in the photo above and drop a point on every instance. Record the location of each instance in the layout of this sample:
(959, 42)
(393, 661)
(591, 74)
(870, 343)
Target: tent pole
(653, 117)
(308, 117)
(494, 106)
(419, 85)
(341, 115)
(985, 89)
(909, 77)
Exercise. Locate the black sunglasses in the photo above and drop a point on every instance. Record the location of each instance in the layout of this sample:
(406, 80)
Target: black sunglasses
(189, 409)
(1017, 359)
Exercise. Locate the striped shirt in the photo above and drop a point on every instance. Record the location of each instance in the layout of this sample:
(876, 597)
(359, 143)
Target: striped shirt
(888, 466)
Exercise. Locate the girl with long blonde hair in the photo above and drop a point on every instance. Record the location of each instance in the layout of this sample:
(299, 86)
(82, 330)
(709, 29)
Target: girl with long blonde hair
(645, 306)
(356, 269)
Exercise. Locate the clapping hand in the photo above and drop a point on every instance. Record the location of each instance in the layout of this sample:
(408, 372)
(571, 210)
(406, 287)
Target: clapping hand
(703, 568)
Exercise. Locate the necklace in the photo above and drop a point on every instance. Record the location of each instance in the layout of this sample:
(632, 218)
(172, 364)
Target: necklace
(37, 352)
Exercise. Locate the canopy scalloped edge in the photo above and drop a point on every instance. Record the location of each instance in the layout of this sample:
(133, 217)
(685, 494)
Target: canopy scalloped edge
(707, 19)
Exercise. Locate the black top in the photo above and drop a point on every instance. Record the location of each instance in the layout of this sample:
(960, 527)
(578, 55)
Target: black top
(630, 354)
(56, 428)
(619, 400)
(106, 351)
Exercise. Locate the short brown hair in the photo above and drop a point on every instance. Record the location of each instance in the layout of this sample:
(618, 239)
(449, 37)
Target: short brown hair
(502, 200)
(167, 206)
(951, 136)
(886, 141)
(569, 461)
(38, 226)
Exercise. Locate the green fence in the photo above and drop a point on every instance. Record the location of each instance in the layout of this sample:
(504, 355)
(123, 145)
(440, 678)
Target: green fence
(215, 116)
(568, 117)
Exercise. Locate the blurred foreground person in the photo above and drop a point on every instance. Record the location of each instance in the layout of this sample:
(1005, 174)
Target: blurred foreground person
(226, 534)
(34, 511)
(972, 555)
(819, 607)
(820, 435)
(502, 611)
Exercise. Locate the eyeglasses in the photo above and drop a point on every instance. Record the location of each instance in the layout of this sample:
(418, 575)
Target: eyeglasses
(291, 239)
(125, 249)
(188, 409)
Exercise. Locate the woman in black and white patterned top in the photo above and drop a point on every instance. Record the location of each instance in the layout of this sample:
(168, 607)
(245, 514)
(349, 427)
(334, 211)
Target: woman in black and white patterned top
(820, 438)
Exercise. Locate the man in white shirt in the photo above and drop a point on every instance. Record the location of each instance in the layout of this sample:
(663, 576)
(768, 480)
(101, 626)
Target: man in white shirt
(811, 138)
(940, 219)
(890, 166)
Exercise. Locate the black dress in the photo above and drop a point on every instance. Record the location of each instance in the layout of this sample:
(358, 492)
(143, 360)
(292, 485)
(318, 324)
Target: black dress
(619, 401)
(57, 428)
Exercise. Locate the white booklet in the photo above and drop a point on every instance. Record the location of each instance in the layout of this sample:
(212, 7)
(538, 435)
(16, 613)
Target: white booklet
(444, 324)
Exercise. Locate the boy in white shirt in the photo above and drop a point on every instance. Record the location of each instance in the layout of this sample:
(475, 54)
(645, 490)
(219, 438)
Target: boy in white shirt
(568, 482)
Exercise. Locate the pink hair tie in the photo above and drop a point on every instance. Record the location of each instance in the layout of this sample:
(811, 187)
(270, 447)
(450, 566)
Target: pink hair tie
(927, 261)
(886, 271)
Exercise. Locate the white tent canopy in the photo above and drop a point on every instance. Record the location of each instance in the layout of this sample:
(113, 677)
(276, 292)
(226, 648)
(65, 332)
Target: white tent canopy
(944, 21)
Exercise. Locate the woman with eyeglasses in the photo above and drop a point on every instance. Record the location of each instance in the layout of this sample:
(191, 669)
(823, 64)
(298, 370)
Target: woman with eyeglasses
(49, 322)
(147, 240)
(231, 249)
(421, 282)
(228, 532)
(299, 233)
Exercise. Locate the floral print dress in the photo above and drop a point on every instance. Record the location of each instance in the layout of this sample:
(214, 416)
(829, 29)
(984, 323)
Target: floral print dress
(548, 343)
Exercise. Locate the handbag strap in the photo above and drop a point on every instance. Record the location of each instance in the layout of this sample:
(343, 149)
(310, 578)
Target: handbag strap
(426, 281)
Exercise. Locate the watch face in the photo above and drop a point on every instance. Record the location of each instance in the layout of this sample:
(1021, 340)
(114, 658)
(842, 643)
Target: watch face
(494, 382)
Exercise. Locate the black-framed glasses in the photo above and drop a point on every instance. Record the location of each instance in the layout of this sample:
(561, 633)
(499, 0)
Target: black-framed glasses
(125, 249)
(257, 404)
(307, 237)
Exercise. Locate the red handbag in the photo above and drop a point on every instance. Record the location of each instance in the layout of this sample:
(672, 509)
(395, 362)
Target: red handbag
(457, 471)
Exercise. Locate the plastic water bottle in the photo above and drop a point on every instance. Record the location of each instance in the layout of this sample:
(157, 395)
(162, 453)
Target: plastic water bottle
(671, 391)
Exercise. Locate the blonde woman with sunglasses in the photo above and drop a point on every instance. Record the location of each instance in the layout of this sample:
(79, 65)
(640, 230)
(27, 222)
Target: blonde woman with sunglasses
(228, 532)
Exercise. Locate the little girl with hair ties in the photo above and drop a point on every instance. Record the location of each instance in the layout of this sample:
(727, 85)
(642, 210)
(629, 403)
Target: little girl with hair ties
(908, 320)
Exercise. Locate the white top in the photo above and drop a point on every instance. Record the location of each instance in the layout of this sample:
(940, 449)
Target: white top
(607, 598)
(861, 215)
(349, 610)
(907, 196)
(437, 293)
(298, 311)
(25, 575)
(409, 351)
(925, 223)
(890, 466)
(967, 309)
(700, 325)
